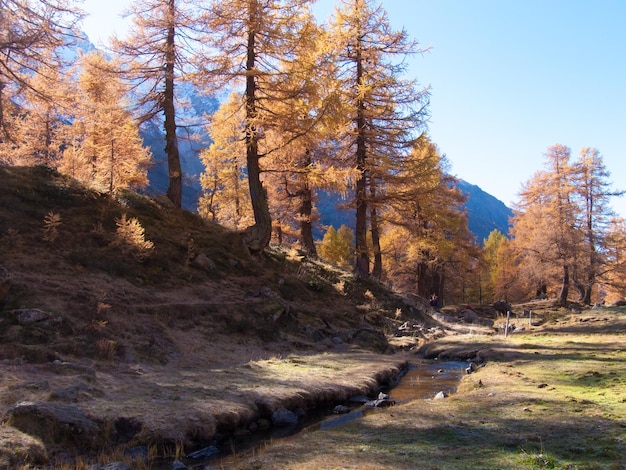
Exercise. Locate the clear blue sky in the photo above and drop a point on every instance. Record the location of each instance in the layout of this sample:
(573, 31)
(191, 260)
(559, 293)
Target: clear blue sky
(508, 79)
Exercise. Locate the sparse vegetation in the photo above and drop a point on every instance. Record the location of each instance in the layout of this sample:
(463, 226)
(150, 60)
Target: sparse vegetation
(130, 237)
(51, 224)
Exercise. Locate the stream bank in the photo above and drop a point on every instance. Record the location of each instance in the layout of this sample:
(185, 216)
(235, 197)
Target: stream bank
(417, 380)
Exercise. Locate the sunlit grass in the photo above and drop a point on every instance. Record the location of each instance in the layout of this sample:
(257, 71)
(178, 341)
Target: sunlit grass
(543, 400)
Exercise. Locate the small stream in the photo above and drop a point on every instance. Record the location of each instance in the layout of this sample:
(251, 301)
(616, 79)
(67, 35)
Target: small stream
(426, 380)
(420, 381)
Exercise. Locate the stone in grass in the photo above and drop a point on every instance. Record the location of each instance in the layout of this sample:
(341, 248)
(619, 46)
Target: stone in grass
(204, 453)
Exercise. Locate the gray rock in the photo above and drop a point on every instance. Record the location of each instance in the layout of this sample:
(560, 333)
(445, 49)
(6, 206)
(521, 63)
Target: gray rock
(55, 423)
(282, 417)
(203, 262)
(341, 409)
(470, 316)
(381, 401)
(27, 316)
(178, 465)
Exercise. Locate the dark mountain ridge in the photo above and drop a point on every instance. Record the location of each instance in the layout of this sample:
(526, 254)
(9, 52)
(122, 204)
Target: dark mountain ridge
(485, 213)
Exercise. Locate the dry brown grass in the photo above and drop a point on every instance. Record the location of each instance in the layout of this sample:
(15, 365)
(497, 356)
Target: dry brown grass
(190, 353)
(187, 351)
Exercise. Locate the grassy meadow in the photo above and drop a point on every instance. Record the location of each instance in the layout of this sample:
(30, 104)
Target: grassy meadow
(552, 397)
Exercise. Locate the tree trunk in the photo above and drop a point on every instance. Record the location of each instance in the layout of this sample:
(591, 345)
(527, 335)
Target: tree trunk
(377, 270)
(175, 188)
(256, 237)
(3, 130)
(362, 264)
(587, 295)
(306, 214)
(306, 225)
(562, 301)
(578, 285)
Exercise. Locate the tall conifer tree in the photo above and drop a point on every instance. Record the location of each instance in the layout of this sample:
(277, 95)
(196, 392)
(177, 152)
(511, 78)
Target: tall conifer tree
(105, 150)
(250, 42)
(32, 34)
(385, 112)
(164, 35)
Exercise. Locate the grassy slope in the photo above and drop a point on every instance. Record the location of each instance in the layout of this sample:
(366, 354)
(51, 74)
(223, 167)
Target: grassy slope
(188, 352)
(192, 353)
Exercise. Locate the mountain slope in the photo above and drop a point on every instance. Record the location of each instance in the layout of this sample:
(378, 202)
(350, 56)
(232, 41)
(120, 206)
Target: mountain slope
(485, 212)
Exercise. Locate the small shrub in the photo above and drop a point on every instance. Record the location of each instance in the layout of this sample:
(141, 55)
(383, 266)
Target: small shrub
(51, 223)
(340, 287)
(107, 348)
(130, 237)
(191, 251)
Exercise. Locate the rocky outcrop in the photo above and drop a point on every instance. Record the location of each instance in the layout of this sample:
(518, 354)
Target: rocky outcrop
(55, 424)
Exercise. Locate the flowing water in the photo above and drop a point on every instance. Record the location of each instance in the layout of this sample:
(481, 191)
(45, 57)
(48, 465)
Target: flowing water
(426, 380)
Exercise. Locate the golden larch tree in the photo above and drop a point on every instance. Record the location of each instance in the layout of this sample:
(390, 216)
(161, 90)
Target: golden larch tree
(104, 148)
(250, 42)
(384, 112)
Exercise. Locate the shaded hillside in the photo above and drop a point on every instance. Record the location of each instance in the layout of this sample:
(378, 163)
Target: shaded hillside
(485, 212)
(125, 312)
(69, 251)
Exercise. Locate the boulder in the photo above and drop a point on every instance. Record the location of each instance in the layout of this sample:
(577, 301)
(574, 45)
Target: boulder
(204, 263)
(282, 417)
(28, 316)
(470, 316)
(381, 401)
(55, 423)
(502, 306)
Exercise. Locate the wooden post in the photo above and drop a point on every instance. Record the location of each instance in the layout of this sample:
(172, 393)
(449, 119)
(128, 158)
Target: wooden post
(506, 326)
(530, 319)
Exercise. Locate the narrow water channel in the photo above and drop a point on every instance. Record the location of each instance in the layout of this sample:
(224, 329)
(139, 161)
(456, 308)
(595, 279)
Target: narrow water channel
(422, 380)
(427, 379)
